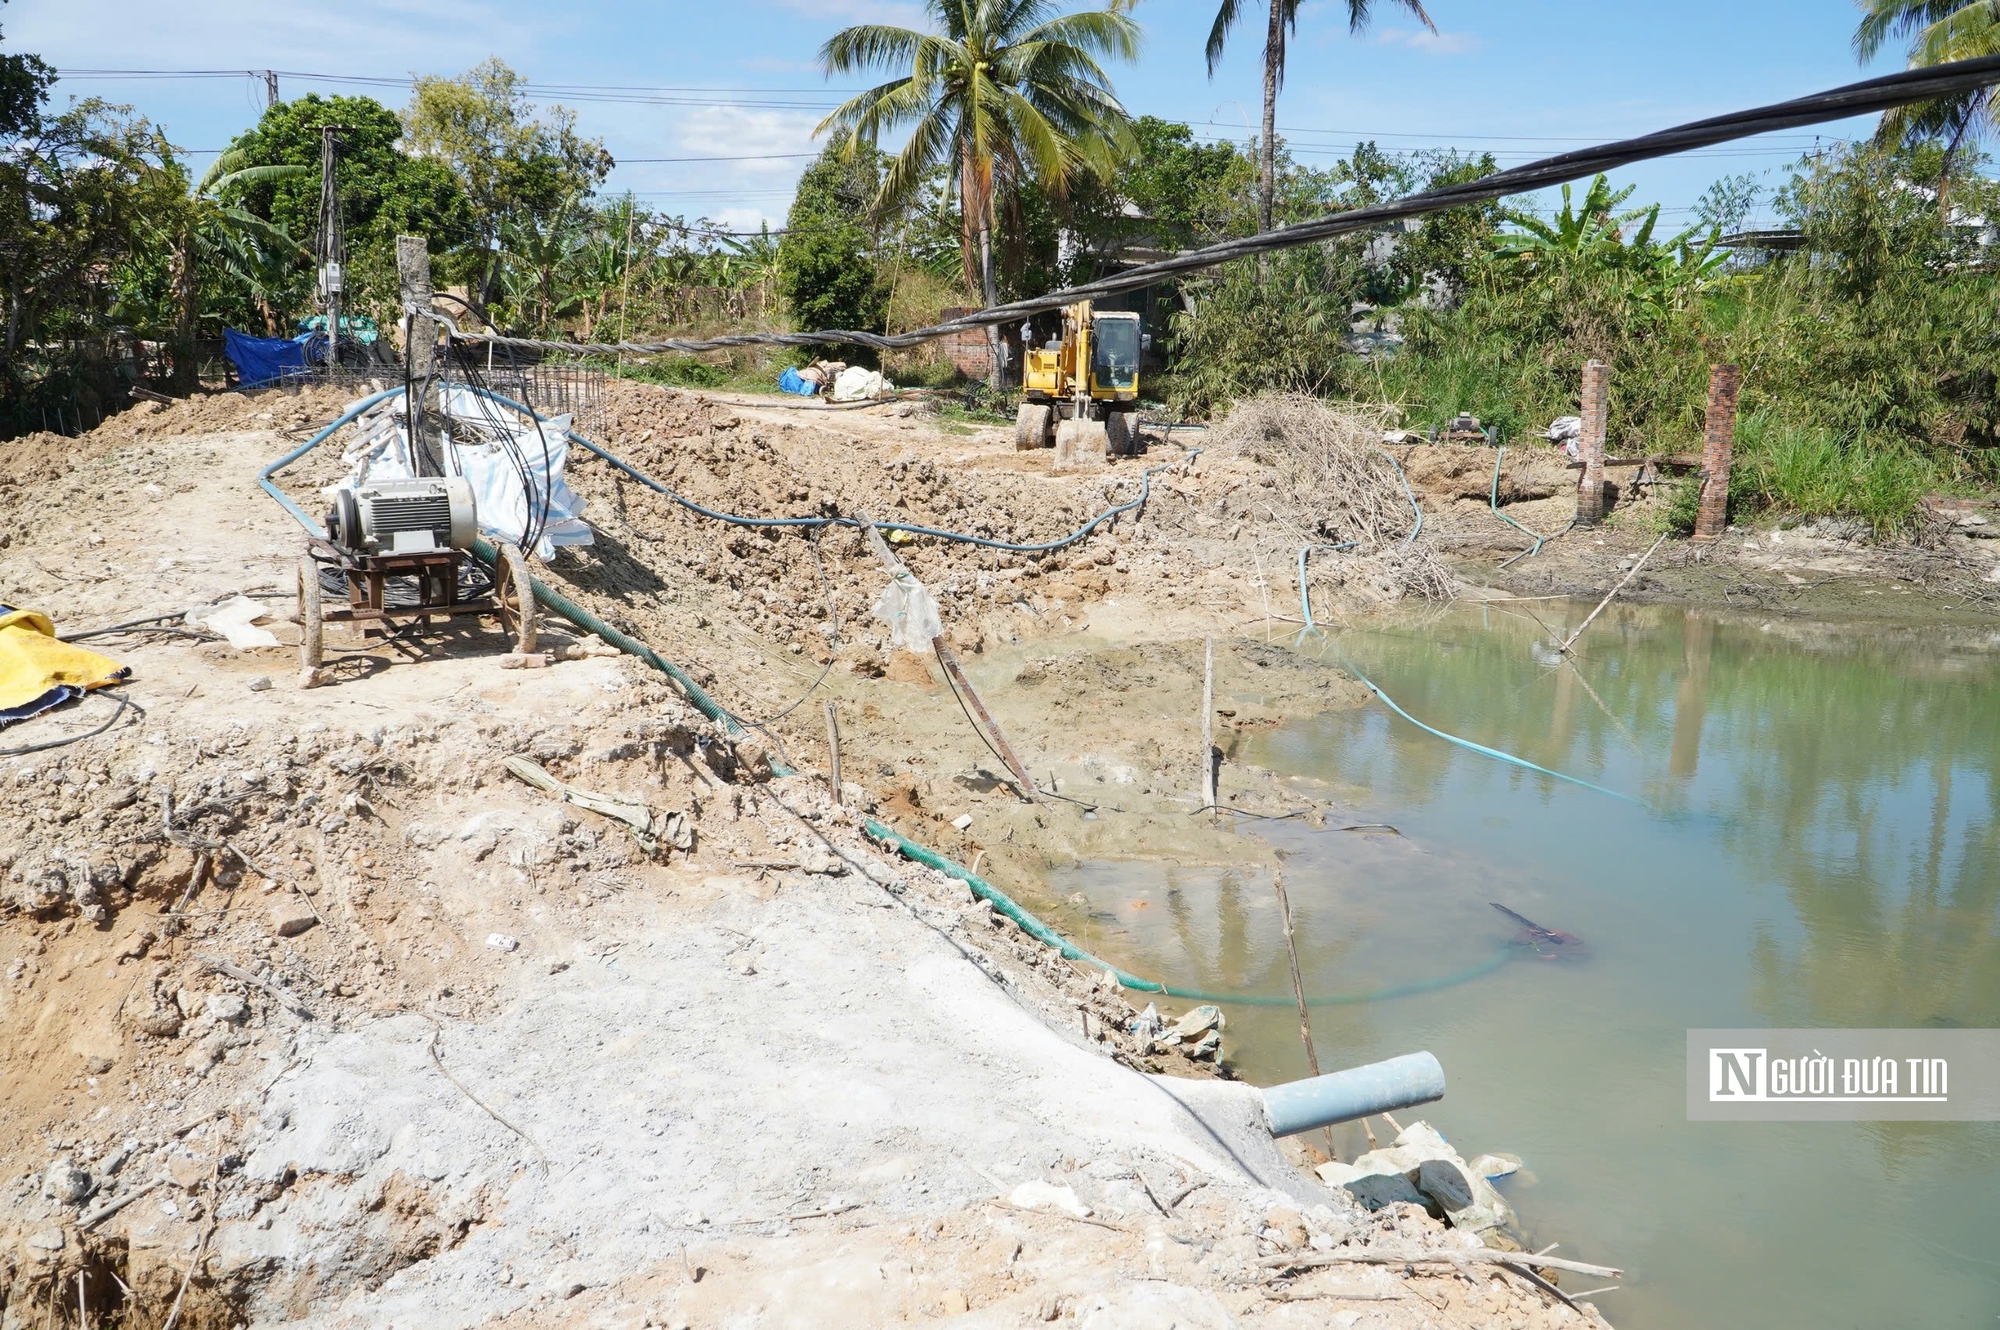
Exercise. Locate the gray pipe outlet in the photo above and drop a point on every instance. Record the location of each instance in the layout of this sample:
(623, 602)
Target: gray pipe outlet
(1358, 1092)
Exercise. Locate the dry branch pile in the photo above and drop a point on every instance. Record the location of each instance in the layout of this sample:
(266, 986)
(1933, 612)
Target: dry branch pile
(1334, 484)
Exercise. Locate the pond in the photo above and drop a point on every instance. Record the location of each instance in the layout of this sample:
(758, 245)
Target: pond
(1813, 840)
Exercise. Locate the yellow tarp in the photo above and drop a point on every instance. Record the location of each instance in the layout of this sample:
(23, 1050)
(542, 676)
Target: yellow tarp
(38, 672)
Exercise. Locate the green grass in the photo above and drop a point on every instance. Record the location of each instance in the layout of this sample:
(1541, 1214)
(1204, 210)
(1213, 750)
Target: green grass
(1464, 377)
(1804, 472)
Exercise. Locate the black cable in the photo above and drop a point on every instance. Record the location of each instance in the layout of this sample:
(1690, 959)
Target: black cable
(535, 509)
(166, 629)
(1854, 99)
(1139, 501)
(124, 704)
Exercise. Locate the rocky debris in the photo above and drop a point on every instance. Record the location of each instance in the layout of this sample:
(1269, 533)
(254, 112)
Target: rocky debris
(1421, 1167)
(66, 1184)
(414, 848)
(291, 918)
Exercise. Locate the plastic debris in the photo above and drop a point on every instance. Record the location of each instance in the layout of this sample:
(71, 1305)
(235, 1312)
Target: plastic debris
(912, 615)
(236, 620)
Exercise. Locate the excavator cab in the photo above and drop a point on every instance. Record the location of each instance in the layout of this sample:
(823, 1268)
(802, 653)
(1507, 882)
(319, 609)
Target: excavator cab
(1084, 385)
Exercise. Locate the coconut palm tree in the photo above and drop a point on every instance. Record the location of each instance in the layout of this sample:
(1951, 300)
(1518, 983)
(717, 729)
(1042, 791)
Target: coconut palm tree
(1284, 20)
(1003, 92)
(1939, 32)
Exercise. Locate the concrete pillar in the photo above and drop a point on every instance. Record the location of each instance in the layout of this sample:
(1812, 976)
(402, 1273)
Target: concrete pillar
(413, 271)
(1596, 417)
(1718, 443)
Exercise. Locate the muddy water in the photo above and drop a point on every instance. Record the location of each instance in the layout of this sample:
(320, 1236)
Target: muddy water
(1816, 843)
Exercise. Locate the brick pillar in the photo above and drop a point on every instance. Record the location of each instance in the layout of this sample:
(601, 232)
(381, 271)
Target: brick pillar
(1596, 416)
(1718, 443)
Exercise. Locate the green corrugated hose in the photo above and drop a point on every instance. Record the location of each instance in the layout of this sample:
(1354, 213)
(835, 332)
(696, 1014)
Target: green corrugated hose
(979, 886)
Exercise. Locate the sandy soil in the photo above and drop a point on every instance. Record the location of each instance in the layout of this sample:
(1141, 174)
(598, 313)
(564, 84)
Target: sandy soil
(353, 1028)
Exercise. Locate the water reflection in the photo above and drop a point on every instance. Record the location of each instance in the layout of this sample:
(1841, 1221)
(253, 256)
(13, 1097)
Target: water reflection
(1818, 846)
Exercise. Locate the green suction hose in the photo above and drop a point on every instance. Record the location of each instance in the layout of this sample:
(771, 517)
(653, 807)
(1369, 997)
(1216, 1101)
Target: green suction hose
(582, 618)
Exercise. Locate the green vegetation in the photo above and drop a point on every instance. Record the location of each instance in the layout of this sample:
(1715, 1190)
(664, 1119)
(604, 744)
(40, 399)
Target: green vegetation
(825, 273)
(1283, 25)
(1869, 342)
(996, 97)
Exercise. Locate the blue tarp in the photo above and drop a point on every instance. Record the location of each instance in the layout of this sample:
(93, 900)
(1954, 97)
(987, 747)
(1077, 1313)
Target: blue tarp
(261, 360)
(790, 382)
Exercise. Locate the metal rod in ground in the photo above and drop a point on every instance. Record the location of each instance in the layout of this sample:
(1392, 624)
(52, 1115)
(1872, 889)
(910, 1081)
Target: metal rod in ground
(1207, 790)
(1299, 992)
(957, 672)
(1612, 592)
(1000, 744)
(833, 750)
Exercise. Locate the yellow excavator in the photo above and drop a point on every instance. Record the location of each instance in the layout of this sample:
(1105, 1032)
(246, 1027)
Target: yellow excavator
(1084, 384)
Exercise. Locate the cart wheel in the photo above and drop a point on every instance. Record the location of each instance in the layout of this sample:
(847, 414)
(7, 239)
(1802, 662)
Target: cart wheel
(515, 596)
(309, 616)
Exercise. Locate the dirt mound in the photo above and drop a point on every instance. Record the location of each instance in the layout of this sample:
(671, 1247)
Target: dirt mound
(1454, 471)
(36, 459)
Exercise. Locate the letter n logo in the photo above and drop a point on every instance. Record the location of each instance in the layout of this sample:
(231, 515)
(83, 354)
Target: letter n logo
(1736, 1073)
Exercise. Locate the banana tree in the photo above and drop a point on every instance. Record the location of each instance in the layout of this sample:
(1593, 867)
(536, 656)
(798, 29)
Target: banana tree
(756, 262)
(1594, 227)
(211, 235)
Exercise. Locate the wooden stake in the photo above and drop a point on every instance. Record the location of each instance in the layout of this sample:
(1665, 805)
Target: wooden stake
(1299, 989)
(1208, 728)
(833, 751)
(1609, 594)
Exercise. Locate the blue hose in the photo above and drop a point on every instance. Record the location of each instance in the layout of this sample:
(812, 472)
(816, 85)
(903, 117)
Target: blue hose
(881, 831)
(1415, 507)
(1305, 610)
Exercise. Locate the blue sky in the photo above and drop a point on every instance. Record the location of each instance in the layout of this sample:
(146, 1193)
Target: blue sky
(1522, 79)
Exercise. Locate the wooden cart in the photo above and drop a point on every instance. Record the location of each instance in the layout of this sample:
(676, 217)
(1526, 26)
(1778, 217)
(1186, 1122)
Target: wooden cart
(435, 572)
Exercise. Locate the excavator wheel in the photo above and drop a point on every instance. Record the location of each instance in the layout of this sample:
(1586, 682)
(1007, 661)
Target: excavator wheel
(1032, 427)
(1121, 432)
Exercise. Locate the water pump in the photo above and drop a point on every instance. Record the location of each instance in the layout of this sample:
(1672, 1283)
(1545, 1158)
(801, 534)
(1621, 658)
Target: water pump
(391, 517)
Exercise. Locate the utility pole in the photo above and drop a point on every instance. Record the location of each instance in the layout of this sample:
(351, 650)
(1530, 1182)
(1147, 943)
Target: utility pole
(332, 277)
(270, 89)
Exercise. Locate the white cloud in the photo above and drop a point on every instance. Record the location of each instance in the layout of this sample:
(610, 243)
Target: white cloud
(747, 219)
(716, 131)
(1428, 42)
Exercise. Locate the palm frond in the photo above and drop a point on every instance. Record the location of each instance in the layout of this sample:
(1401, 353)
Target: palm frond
(1358, 14)
(868, 46)
(1218, 33)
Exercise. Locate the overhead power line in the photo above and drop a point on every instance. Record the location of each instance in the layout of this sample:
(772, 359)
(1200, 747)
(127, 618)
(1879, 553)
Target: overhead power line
(780, 99)
(1865, 98)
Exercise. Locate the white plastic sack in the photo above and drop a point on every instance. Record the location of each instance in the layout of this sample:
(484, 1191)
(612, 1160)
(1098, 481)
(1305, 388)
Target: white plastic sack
(906, 606)
(856, 384)
(1567, 431)
(502, 505)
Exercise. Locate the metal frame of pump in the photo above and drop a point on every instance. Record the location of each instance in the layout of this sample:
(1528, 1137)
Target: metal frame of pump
(1062, 385)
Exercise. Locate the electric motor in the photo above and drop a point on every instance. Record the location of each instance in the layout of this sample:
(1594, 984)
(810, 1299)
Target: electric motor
(404, 516)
